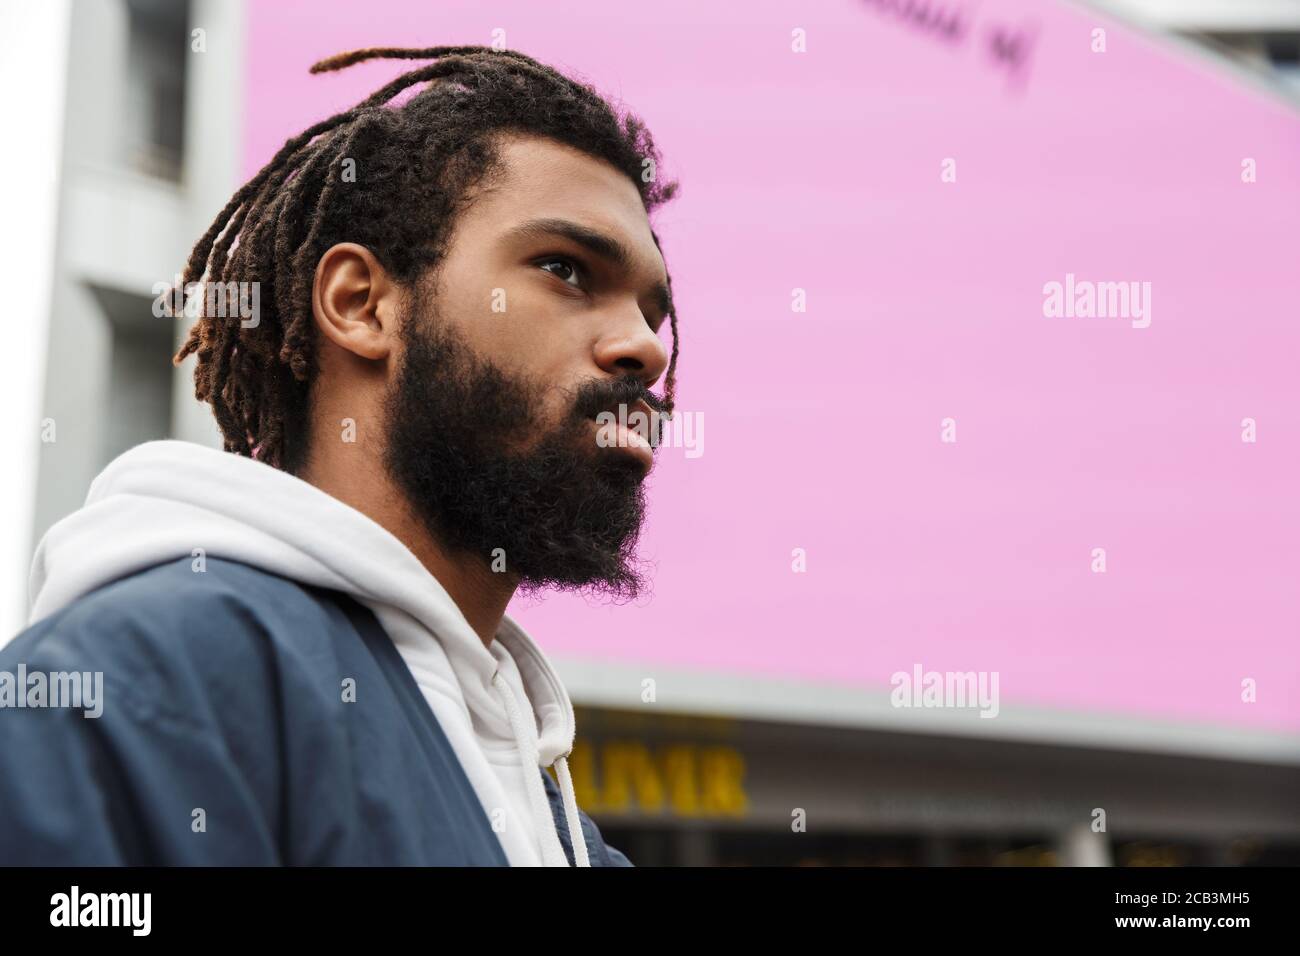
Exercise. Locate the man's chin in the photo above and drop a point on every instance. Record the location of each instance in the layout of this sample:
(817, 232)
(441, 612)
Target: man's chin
(596, 553)
(622, 587)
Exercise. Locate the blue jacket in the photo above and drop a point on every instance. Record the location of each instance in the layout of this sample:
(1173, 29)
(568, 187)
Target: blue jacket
(223, 739)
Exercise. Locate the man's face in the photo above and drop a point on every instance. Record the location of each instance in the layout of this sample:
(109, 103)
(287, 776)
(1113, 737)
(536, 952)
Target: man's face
(530, 333)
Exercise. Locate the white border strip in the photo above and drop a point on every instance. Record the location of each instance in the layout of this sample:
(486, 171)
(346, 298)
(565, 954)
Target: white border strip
(33, 76)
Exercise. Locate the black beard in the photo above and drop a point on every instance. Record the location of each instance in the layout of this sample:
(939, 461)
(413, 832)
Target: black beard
(565, 513)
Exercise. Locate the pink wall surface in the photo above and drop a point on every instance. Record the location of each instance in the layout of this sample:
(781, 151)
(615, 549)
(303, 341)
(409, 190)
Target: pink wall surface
(821, 171)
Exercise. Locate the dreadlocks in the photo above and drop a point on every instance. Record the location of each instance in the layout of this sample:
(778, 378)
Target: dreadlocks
(418, 160)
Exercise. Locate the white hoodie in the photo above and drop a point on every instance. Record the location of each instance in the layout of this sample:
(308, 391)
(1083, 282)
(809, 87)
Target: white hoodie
(162, 500)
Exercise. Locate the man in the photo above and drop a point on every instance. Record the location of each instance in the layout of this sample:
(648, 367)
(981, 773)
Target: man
(303, 644)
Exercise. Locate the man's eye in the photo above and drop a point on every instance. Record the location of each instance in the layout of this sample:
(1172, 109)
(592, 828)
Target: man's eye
(567, 271)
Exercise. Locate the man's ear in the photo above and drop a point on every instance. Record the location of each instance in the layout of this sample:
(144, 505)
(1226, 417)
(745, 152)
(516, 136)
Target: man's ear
(354, 301)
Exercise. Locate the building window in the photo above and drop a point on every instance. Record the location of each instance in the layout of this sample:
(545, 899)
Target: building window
(154, 119)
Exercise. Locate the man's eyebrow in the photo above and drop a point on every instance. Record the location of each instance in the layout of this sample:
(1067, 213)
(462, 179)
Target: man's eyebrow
(597, 243)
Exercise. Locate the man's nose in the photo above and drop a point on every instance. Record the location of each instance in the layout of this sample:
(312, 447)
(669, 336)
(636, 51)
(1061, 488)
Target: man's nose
(639, 352)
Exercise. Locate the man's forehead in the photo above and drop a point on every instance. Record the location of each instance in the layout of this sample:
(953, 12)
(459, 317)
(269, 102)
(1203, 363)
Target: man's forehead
(531, 160)
(543, 179)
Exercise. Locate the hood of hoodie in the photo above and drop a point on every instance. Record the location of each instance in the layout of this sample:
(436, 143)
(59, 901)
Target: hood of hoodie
(162, 500)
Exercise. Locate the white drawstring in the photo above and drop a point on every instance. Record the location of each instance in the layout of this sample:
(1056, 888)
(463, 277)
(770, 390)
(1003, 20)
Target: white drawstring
(571, 811)
(526, 737)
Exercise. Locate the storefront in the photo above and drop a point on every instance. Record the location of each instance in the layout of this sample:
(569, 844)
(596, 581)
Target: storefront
(679, 789)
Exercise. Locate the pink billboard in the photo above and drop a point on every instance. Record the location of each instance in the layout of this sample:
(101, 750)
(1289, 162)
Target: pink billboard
(988, 339)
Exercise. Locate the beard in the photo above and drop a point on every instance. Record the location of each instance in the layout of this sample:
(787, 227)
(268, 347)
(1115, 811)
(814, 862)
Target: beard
(483, 471)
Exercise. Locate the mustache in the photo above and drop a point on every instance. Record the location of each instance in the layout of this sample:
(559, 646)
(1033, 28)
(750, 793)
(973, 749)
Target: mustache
(595, 397)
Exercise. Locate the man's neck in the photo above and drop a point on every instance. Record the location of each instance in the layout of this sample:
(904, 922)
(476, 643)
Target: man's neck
(479, 593)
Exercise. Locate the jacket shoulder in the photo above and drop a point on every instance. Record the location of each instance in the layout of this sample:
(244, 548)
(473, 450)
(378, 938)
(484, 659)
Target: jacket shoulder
(169, 636)
(174, 605)
(188, 677)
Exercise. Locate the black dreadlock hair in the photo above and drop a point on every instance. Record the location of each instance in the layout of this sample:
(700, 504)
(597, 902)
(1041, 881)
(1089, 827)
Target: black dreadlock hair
(419, 160)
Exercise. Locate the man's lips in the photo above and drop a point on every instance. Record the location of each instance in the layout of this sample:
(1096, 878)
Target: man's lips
(628, 438)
